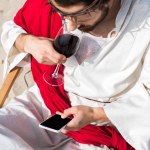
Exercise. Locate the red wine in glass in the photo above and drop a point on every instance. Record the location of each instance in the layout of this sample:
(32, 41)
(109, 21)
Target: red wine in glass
(66, 44)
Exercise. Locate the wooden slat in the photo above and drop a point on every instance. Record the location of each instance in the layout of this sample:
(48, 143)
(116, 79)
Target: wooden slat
(8, 83)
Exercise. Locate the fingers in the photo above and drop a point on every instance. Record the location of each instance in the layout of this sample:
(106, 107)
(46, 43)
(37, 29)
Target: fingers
(55, 58)
(47, 54)
(69, 111)
(59, 113)
(43, 51)
(67, 127)
(74, 125)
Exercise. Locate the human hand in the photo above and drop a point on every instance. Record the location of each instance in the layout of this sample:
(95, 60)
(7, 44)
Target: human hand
(82, 116)
(41, 49)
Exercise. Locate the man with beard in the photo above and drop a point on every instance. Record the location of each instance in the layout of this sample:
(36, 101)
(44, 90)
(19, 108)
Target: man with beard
(106, 83)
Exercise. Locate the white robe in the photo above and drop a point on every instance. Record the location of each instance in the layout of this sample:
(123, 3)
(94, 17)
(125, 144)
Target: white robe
(118, 73)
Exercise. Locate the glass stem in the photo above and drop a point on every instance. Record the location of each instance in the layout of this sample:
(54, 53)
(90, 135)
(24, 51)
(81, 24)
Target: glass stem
(55, 73)
(65, 27)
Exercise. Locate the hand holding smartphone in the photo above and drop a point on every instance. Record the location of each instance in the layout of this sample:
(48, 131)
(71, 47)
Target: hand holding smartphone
(55, 123)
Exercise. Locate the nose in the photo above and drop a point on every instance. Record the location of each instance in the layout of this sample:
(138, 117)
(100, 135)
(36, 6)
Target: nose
(71, 23)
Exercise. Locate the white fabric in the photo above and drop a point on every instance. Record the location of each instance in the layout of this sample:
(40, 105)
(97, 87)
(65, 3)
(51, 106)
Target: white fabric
(19, 126)
(119, 73)
(19, 122)
(13, 57)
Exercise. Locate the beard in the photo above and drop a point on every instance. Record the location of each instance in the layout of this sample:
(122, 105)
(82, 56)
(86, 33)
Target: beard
(89, 28)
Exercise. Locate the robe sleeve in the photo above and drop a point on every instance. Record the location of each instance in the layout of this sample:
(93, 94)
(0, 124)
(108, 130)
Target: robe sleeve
(131, 112)
(10, 31)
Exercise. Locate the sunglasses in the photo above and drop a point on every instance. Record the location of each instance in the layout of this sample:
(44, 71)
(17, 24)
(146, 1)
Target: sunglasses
(88, 9)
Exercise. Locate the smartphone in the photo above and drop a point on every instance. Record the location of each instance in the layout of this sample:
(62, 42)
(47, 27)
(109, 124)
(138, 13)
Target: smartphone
(55, 123)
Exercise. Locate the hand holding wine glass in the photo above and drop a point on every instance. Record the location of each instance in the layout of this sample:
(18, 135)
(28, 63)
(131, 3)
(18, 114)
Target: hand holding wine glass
(66, 44)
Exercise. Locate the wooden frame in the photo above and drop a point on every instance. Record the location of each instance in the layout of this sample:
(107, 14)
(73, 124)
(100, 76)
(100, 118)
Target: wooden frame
(8, 83)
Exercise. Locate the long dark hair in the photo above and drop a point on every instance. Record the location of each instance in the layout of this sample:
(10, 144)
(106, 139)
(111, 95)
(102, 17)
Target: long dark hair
(66, 3)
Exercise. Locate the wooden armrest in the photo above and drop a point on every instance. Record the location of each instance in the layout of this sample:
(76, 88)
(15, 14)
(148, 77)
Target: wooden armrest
(8, 83)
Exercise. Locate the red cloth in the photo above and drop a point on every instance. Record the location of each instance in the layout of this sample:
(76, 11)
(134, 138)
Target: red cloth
(37, 18)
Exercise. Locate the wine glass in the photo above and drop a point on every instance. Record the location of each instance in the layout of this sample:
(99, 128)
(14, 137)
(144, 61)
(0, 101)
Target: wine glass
(67, 44)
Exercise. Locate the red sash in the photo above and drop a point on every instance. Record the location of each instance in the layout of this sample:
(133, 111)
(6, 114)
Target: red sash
(37, 18)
